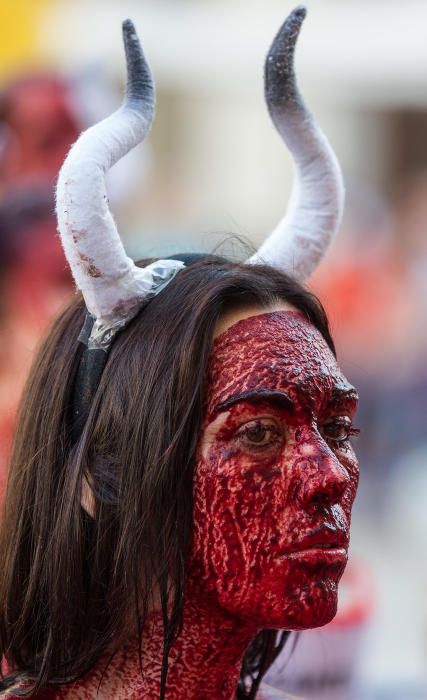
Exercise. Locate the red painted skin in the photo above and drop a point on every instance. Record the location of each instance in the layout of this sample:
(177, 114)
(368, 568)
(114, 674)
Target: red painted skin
(275, 480)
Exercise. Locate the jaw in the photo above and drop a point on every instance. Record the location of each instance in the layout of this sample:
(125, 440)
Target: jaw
(296, 599)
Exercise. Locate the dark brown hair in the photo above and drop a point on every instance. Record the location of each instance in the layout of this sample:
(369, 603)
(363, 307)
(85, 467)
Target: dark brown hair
(69, 582)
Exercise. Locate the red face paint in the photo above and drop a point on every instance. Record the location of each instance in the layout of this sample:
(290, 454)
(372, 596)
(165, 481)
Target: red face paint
(276, 475)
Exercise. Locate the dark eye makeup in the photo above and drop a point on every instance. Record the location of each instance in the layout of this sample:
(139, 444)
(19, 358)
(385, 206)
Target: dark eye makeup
(260, 434)
(265, 434)
(339, 429)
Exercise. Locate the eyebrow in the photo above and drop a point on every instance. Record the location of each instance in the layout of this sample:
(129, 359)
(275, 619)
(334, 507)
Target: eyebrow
(279, 398)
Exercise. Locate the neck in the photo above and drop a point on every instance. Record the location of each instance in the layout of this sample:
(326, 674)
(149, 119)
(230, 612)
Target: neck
(204, 662)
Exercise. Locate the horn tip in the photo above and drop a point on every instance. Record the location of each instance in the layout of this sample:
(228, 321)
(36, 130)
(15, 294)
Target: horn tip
(281, 90)
(297, 16)
(287, 35)
(300, 12)
(128, 28)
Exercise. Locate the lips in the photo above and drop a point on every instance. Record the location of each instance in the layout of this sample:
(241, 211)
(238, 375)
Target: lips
(325, 537)
(316, 559)
(326, 546)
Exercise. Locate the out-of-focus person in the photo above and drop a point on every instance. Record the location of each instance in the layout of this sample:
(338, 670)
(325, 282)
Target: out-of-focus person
(37, 127)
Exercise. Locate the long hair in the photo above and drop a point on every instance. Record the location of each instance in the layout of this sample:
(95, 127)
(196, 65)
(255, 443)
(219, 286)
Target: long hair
(69, 583)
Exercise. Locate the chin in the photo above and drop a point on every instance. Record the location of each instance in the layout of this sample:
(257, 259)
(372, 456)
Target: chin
(316, 609)
(314, 606)
(291, 603)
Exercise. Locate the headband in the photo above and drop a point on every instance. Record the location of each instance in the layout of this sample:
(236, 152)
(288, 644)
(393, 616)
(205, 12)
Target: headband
(113, 287)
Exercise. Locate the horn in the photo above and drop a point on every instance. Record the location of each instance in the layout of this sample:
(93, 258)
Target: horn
(316, 205)
(113, 287)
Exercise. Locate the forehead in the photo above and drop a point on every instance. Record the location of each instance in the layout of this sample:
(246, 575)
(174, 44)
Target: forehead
(275, 351)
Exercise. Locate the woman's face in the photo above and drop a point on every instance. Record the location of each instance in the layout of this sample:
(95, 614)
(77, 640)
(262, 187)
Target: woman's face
(276, 475)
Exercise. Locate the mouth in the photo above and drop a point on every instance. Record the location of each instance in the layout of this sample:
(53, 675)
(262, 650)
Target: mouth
(322, 543)
(320, 553)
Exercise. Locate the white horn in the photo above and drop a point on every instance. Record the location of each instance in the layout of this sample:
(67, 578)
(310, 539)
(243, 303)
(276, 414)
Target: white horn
(316, 205)
(114, 288)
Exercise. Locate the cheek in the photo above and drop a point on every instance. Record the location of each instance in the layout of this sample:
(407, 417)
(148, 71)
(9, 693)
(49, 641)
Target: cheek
(349, 461)
(236, 505)
(245, 518)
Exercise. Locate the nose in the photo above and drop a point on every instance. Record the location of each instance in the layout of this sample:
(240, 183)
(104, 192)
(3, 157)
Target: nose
(323, 479)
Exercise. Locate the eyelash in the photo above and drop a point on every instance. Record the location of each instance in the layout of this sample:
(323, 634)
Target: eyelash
(341, 422)
(267, 426)
(261, 426)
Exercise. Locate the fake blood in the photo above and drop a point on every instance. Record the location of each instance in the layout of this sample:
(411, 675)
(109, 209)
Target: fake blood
(275, 479)
(272, 523)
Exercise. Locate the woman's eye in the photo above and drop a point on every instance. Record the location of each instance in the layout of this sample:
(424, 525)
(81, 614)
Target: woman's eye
(259, 434)
(339, 429)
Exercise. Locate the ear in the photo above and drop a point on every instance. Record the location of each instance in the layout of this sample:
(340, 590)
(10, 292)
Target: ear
(88, 499)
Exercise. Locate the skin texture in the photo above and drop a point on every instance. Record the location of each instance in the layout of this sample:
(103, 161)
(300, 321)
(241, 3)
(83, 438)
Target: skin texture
(275, 479)
(276, 475)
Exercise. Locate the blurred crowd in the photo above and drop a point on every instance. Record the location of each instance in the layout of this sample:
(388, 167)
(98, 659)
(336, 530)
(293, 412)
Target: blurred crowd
(375, 284)
(37, 126)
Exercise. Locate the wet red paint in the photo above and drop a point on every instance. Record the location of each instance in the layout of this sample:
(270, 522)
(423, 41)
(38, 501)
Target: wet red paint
(275, 480)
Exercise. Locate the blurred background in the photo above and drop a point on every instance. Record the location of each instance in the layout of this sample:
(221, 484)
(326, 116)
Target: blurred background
(214, 166)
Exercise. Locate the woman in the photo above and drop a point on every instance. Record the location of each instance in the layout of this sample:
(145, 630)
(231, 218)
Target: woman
(182, 477)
